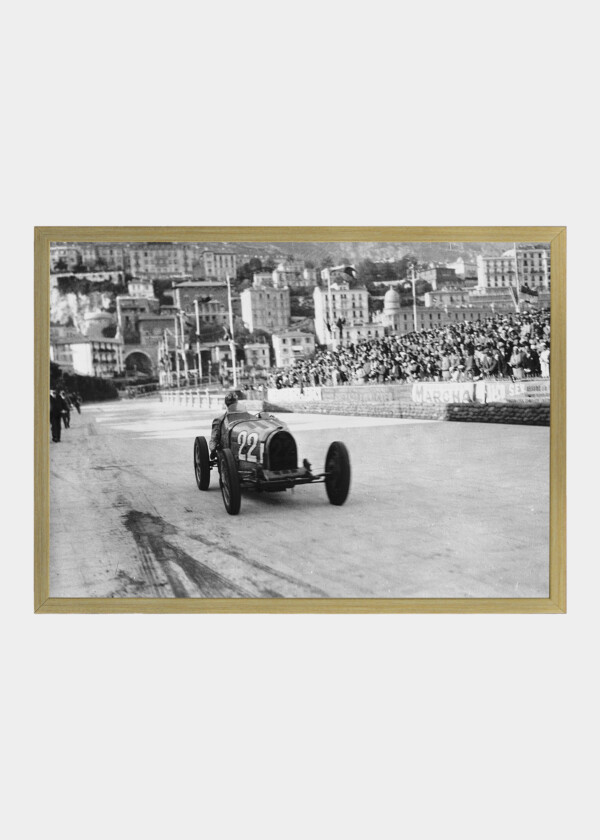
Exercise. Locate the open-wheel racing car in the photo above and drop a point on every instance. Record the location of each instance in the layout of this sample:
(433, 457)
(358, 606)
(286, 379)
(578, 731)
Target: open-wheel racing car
(257, 451)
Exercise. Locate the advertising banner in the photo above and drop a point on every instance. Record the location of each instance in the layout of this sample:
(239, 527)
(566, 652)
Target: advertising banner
(522, 389)
(442, 393)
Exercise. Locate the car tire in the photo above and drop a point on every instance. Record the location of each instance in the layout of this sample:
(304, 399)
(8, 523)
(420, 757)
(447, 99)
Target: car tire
(230, 482)
(201, 463)
(337, 469)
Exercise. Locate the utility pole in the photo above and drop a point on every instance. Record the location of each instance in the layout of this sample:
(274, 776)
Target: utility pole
(330, 309)
(176, 349)
(197, 311)
(231, 342)
(167, 358)
(517, 278)
(413, 279)
(183, 353)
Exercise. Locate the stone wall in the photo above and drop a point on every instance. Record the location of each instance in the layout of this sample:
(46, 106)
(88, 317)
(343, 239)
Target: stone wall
(524, 414)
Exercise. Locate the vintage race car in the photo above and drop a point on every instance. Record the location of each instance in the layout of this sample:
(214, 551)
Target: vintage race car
(258, 451)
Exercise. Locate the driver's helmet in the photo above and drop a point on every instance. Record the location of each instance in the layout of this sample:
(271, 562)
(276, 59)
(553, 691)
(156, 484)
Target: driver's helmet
(230, 398)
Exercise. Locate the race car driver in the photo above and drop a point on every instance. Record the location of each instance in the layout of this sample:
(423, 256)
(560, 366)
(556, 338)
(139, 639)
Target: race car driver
(231, 405)
(233, 414)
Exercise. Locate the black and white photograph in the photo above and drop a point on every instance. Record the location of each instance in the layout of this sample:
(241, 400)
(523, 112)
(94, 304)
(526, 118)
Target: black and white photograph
(299, 419)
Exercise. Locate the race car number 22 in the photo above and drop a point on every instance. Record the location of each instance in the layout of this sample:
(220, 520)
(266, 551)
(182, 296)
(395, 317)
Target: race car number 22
(247, 446)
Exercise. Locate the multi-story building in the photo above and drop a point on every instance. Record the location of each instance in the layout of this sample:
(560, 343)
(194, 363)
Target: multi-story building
(309, 275)
(184, 294)
(291, 345)
(218, 265)
(338, 273)
(258, 356)
(89, 356)
(129, 309)
(464, 271)
(429, 318)
(437, 276)
(115, 278)
(527, 264)
(161, 259)
(89, 254)
(289, 273)
(339, 302)
(64, 256)
(260, 279)
(447, 297)
(362, 332)
(111, 254)
(265, 309)
(140, 288)
(212, 312)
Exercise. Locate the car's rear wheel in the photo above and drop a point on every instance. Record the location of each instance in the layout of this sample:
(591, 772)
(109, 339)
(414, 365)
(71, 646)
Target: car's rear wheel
(201, 463)
(337, 468)
(230, 482)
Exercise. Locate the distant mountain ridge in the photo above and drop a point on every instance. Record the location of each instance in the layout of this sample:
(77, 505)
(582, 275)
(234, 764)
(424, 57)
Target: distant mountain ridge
(354, 252)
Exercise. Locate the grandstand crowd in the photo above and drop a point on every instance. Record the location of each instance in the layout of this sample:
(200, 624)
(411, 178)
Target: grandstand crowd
(501, 346)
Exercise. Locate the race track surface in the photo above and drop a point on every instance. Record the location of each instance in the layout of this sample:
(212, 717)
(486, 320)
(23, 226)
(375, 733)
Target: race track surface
(435, 510)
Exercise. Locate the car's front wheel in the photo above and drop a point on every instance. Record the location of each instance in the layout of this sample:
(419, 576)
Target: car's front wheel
(230, 482)
(337, 469)
(201, 463)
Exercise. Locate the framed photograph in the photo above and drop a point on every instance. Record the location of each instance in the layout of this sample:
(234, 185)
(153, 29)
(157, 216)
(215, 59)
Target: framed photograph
(300, 419)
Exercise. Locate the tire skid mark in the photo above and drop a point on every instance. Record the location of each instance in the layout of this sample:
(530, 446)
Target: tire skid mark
(263, 567)
(150, 533)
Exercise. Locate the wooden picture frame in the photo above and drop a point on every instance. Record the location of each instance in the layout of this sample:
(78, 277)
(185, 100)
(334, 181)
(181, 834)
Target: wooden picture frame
(555, 603)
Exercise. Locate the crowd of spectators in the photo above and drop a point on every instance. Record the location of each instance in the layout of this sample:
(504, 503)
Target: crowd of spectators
(501, 346)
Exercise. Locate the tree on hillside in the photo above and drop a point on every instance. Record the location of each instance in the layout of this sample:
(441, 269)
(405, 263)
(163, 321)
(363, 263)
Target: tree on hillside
(246, 270)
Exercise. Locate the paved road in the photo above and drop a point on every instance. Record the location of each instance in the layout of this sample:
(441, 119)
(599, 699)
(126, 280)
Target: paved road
(435, 510)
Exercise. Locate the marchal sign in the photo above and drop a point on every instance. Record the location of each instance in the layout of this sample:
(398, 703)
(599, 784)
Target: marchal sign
(443, 393)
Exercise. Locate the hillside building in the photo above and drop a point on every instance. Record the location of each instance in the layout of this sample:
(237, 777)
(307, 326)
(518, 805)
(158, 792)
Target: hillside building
(291, 345)
(337, 302)
(88, 356)
(529, 263)
(265, 309)
(185, 293)
(161, 259)
(258, 356)
(217, 265)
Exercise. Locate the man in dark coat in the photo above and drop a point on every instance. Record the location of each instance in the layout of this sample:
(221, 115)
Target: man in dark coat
(57, 408)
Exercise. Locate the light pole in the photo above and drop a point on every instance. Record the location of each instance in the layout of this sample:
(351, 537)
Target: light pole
(183, 353)
(414, 285)
(231, 342)
(176, 350)
(197, 311)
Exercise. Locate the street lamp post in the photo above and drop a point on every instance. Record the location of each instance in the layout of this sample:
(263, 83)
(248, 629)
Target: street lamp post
(176, 350)
(413, 279)
(197, 311)
(231, 342)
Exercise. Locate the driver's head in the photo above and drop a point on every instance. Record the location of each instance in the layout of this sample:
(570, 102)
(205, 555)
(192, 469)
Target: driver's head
(231, 399)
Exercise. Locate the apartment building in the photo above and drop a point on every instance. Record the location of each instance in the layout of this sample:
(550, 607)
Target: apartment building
(265, 309)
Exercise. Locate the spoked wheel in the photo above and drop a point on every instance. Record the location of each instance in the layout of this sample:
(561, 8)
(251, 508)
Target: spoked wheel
(230, 482)
(201, 463)
(337, 467)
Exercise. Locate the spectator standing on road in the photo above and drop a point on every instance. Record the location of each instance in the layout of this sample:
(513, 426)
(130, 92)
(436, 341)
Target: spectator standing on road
(66, 414)
(57, 406)
(76, 401)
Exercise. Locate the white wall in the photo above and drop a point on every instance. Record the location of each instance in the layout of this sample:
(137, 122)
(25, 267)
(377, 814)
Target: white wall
(310, 726)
